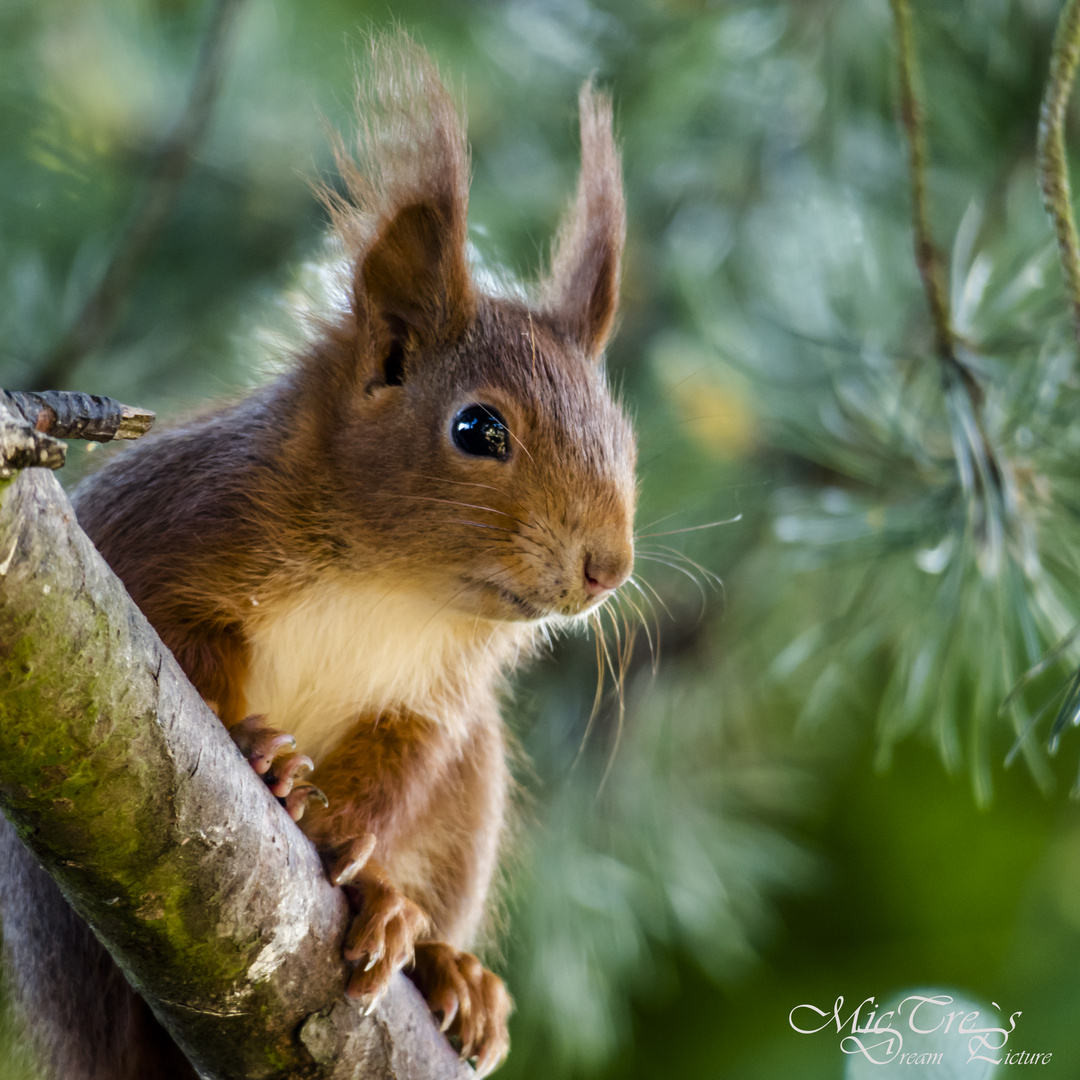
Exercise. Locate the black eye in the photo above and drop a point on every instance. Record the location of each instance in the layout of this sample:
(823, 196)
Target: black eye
(481, 430)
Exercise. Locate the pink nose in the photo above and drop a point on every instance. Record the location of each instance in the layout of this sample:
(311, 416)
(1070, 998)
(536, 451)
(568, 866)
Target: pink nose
(605, 573)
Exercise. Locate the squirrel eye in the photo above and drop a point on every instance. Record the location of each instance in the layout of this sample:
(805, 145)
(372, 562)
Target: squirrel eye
(480, 430)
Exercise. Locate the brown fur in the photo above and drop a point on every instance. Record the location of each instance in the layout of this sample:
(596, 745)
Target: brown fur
(333, 502)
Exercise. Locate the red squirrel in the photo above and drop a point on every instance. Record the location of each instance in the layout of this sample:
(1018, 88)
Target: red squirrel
(349, 563)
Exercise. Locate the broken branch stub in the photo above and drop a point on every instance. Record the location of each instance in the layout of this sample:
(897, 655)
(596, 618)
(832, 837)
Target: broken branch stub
(69, 414)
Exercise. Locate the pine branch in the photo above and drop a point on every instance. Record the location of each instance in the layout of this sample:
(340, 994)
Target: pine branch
(928, 257)
(131, 794)
(1053, 164)
(95, 321)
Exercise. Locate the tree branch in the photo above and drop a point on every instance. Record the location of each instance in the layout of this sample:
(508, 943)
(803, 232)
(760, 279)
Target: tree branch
(1053, 164)
(95, 320)
(31, 423)
(67, 414)
(22, 445)
(927, 257)
(131, 794)
(960, 383)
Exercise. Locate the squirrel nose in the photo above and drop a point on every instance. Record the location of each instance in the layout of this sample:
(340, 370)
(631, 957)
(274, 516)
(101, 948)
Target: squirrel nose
(606, 571)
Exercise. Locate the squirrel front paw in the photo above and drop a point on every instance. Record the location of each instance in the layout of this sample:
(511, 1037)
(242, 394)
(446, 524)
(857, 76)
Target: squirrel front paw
(471, 1001)
(270, 752)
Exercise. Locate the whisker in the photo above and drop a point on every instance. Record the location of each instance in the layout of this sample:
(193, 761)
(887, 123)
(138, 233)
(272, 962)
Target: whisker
(651, 556)
(618, 650)
(659, 599)
(465, 588)
(659, 519)
(478, 525)
(537, 521)
(624, 599)
(535, 543)
(471, 506)
(598, 697)
(532, 340)
(708, 574)
(508, 432)
(621, 714)
(650, 605)
(691, 528)
(463, 483)
(629, 636)
(681, 570)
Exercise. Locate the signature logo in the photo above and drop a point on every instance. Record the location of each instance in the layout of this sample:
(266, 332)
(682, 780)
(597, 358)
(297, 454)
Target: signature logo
(938, 1024)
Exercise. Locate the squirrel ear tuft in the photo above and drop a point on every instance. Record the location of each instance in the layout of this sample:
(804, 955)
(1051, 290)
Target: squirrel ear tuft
(402, 214)
(581, 293)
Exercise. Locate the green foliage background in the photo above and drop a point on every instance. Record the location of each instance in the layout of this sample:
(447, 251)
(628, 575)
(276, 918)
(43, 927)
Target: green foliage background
(810, 796)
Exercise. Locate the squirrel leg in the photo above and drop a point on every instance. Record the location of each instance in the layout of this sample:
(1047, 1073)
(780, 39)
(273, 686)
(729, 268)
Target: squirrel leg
(471, 1002)
(270, 752)
(391, 781)
(378, 779)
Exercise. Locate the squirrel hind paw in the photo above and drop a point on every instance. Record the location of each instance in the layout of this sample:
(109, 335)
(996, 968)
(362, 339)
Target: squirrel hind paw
(345, 862)
(472, 1003)
(382, 937)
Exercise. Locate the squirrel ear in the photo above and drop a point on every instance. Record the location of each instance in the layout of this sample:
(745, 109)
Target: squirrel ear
(582, 290)
(414, 276)
(402, 214)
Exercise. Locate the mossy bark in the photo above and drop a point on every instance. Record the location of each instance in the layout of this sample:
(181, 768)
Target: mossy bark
(132, 795)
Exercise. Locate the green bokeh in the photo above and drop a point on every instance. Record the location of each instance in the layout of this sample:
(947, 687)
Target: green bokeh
(809, 797)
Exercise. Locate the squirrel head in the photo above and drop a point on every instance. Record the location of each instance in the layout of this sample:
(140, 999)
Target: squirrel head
(472, 445)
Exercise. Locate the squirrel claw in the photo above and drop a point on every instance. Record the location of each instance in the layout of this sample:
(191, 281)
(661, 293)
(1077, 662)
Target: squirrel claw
(473, 1002)
(266, 749)
(286, 772)
(367, 1003)
(260, 743)
(297, 799)
(381, 939)
(351, 859)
